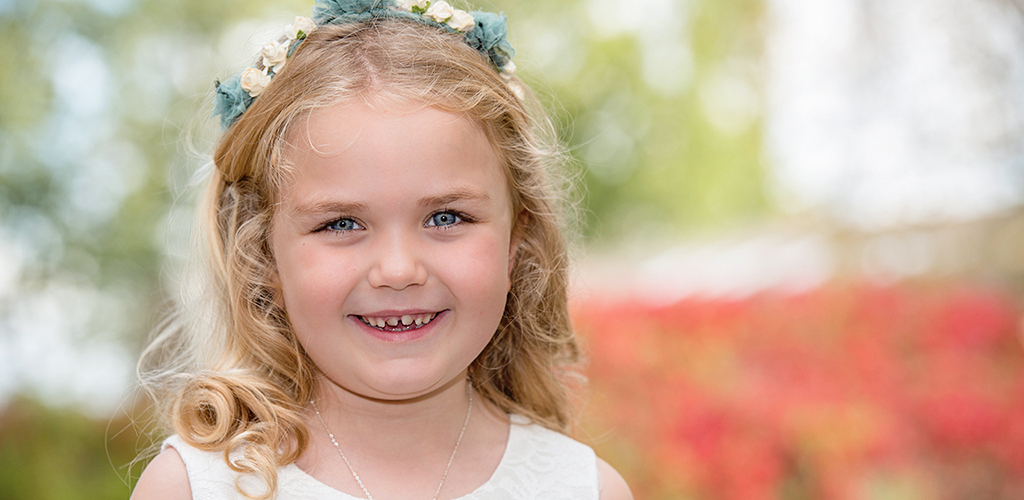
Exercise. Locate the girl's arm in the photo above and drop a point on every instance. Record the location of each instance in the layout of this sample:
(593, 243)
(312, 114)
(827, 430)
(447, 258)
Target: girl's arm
(165, 478)
(613, 487)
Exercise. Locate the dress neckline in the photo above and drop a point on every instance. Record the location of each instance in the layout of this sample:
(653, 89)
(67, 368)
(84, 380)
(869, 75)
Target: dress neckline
(516, 424)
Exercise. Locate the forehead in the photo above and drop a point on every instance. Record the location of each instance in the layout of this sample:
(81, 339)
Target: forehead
(384, 123)
(355, 147)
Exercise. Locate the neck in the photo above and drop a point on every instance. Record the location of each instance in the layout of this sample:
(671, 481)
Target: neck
(386, 428)
(400, 448)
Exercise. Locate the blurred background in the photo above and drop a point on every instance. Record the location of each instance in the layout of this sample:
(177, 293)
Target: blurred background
(801, 268)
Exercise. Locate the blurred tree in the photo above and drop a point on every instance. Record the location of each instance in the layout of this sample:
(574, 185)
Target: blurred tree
(660, 101)
(97, 98)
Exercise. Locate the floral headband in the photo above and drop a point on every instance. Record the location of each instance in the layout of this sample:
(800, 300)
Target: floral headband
(484, 31)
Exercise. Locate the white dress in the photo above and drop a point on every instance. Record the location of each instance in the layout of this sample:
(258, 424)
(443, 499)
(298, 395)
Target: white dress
(538, 463)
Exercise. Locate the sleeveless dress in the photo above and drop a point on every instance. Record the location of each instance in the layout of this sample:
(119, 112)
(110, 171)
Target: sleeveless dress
(538, 463)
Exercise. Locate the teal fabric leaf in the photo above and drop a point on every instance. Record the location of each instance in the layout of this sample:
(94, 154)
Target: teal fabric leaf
(326, 11)
(230, 100)
(490, 30)
(489, 37)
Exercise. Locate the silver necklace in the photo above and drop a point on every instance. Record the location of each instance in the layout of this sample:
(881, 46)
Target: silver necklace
(444, 476)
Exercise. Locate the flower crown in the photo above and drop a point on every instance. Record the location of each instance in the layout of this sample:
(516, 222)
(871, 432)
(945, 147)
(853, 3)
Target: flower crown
(484, 31)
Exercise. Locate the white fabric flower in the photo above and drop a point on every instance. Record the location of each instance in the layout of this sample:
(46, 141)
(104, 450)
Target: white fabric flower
(254, 81)
(301, 24)
(509, 68)
(439, 11)
(461, 21)
(274, 55)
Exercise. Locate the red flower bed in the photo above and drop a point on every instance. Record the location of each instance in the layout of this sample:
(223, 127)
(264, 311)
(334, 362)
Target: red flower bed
(841, 393)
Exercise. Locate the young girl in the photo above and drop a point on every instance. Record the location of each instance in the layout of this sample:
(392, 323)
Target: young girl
(388, 277)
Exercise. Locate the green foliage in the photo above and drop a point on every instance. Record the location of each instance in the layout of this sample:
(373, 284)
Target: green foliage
(652, 158)
(23, 92)
(60, 454)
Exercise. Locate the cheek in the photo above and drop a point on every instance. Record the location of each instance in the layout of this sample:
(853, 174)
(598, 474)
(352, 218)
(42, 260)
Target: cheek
(481, 272)
(310, 281)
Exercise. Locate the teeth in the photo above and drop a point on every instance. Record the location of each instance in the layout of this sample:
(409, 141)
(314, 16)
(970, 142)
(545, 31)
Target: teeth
(404, 320)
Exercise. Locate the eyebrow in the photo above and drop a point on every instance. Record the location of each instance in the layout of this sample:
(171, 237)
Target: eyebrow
(328, 207)
(339, 207)
(459, 194)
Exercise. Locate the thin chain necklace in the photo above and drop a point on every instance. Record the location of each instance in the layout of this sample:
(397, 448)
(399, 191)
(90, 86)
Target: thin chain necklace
(444, 476)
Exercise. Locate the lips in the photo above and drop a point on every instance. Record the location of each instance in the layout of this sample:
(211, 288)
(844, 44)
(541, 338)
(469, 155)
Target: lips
(397, 322)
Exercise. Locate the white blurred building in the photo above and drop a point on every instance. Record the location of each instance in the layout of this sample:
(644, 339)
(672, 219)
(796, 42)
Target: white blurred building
(889, 113)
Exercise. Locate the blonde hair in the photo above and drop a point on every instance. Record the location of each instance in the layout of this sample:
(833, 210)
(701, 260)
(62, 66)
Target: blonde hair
(247, 395)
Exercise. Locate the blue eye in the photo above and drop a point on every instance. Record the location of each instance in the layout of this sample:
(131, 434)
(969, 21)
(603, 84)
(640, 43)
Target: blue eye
(343, 225)
(442, 219)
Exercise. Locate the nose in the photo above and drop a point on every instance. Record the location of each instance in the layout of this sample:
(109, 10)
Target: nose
(398, 264)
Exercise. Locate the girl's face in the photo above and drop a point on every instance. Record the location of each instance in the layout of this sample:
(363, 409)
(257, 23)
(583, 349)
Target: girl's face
(392, 244)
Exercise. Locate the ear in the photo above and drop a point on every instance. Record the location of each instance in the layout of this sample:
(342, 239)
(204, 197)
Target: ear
(518, 230)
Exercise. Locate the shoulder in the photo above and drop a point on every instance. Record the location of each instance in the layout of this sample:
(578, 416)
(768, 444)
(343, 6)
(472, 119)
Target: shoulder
(540, 440)
(551, 464)
(190, 473)
(613, 487)
(165, 478)
(576, 460)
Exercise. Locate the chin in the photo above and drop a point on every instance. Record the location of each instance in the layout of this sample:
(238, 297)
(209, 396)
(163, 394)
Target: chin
(411, 381)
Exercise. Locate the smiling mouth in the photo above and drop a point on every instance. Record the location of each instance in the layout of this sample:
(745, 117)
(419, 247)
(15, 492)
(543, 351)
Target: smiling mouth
(398, 323)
